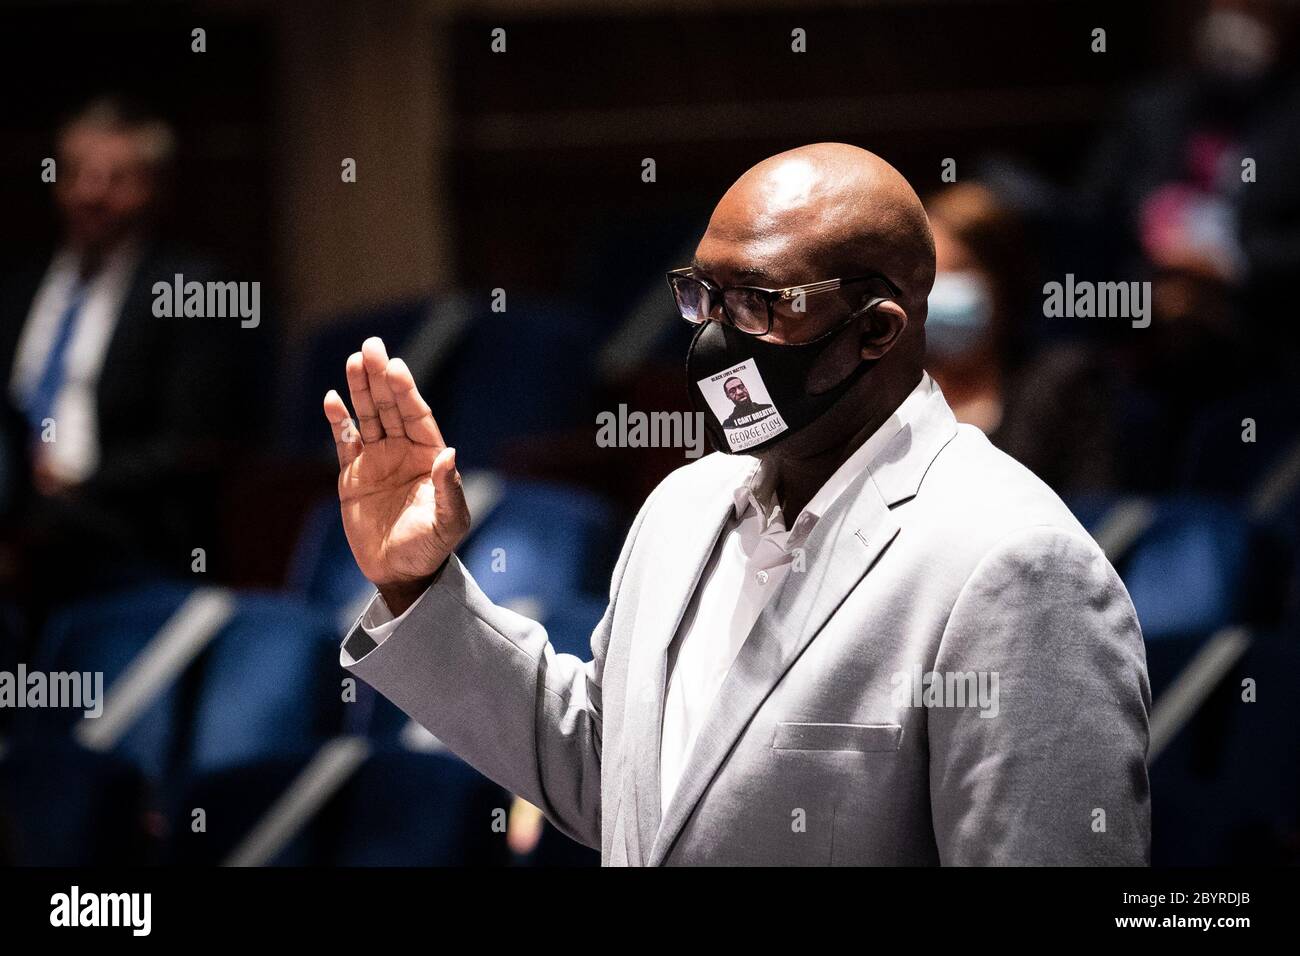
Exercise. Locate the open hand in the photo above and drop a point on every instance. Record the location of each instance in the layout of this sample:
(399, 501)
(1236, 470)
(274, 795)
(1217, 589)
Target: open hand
(404, 510)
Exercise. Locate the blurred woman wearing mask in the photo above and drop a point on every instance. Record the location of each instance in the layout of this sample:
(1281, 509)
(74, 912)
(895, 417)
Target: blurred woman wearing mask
(978, 295)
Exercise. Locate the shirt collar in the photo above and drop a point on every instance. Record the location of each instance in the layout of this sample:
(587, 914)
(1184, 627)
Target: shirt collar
(117, 266)
(758, 489)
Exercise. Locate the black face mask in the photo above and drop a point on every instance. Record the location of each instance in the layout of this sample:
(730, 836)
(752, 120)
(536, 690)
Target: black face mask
(754, 393)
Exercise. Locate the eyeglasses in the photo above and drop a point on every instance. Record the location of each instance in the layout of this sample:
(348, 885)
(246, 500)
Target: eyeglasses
(749, 308)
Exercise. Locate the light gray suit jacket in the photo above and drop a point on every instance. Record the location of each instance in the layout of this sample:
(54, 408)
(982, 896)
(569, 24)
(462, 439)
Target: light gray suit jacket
(948, 557)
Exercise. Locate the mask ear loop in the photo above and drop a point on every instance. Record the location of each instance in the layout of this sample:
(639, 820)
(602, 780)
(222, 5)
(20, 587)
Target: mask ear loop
(871, 304)
(843, 327)
(848, 320)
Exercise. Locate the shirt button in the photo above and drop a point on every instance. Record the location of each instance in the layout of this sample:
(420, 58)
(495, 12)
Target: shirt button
(760, 577)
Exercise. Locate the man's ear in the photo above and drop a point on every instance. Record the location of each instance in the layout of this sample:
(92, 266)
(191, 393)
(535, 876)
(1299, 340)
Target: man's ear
(882, 324)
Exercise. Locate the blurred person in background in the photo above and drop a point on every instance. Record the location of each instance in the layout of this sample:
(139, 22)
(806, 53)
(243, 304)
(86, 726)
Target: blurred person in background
(1186, 191)
(1116, 414)
(113, 411)
(1194, 178)
(979, 292)
(975, 334)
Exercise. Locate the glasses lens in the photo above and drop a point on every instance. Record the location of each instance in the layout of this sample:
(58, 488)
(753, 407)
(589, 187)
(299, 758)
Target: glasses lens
(747, 309)
(692, 298)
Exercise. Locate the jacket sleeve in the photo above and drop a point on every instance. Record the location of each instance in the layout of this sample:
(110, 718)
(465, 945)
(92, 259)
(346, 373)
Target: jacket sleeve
(487, 683)
(1055, 772)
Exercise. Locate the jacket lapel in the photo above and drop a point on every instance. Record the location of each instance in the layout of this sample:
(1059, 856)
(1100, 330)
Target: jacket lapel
(837, 558)
(840, 551)
(685, 549)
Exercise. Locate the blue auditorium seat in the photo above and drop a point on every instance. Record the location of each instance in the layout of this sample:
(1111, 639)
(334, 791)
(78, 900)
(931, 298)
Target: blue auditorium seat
(489, 377)
(404, 808)
(542, 542)
(1187, 575)
(555, 541)
(1217, 461)
(557, 544)
(1187, 569)
(321, 567)
(1225, 786)
(234, 799)
(270, 684)
(513, 375)
(316, 364)
(106, 634)
(267, 678)
(1226, 790)
(1263, 476)
(62, 805)
(395, 808)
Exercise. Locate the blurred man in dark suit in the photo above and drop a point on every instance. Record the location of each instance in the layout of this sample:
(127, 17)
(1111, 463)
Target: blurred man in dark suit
(113, 417)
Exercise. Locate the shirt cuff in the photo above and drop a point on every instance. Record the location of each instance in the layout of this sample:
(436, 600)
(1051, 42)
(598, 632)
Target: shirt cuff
(378, 621)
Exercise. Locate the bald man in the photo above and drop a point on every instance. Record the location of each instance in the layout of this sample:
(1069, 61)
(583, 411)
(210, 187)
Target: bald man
(857, 634)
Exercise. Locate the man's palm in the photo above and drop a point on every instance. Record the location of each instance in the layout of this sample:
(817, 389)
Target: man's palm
(403, 508)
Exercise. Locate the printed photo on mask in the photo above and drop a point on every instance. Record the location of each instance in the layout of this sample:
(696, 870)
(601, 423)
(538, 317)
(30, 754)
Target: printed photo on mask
(740, 401)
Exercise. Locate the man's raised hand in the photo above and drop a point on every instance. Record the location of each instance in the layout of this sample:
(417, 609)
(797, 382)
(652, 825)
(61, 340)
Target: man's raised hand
(403, 506)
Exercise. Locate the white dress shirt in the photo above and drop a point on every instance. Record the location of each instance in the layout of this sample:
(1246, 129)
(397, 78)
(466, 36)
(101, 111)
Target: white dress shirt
(74, 453)
(754, 555)
(752, 558)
